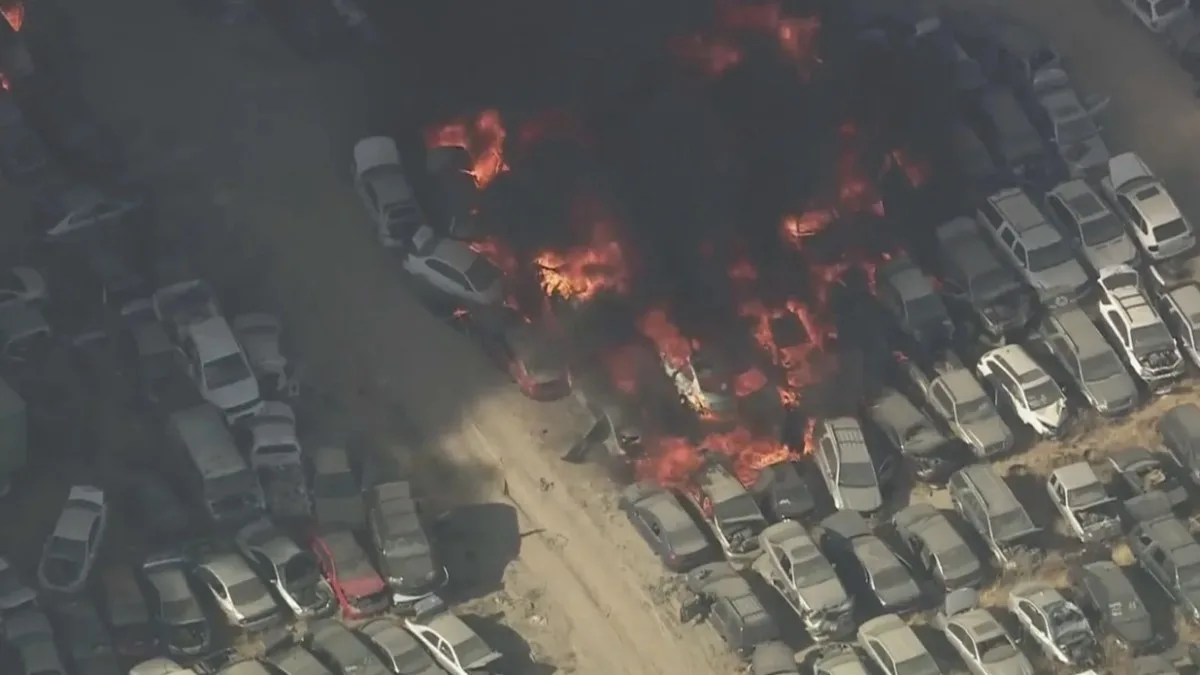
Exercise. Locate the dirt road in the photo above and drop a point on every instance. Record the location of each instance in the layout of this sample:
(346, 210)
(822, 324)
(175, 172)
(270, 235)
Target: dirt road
(267, 140)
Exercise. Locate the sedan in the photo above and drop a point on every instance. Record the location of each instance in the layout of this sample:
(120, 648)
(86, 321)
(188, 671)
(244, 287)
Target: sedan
(260, 335)
(385, 191)
(292, 572)
(342, 651)
(237, 590)
(658, 516)
(847, 467)
(894, 648)
(1106, 594)
(398, 648)
(457, 649)
(937, 547)
(336, 491)
(979, 639)
(71, 549)
(180, 620)
(866, 564)
(359, 589)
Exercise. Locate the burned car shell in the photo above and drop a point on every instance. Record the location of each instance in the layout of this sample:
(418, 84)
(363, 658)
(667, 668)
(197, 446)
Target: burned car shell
(1057, 624)
(934, 545)
(1180, 309)
(864, 561)
(1106, 594)
(728, 603)
(1143, 472)
(661, 520)
(732, 513)
(793, 565)
(913, 434)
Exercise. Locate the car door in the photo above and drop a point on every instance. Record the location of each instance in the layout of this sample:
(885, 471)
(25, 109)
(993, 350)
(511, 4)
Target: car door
(882, 658)
(218, 589)
(95, 533)
(1036, 623)
(964, 644)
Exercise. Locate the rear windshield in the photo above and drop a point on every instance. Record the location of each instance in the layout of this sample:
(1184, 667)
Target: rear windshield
(482, 274)
(1170, 230)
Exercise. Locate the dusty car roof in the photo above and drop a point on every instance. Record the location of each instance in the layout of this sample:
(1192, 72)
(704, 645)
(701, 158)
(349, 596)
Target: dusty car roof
(1075, 476)
(336, 640)
(262, 535)
(298, 661)
(980, 624)
(75, 523)
(897, 637)
(720, 485)
(213, 338)
(666, 507)
(391, 638)
(26, 623)
(848, 524)
(229, 567)
(1040, 594)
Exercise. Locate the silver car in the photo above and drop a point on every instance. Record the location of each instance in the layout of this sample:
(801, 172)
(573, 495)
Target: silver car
(979, 639)
(793, 565)
(1057, 625)
(1090, 225)
(894, 648)
(71, 549)
(1070, 123)
(846, 465)
(398, 649)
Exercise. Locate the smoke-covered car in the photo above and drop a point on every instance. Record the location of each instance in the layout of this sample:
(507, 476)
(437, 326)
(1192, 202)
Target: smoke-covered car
(336, 491)
(894, 648)
(14, 592)
(866, 564)
(456, 194)
(1159, 227)
(178, 617)
(398, 649)
(128, 613)
(529, 353)
(1143, 472)
(1090, 513)
(160, 369)
(703, 382)
(1090, 225)
(260, 336)
(1167, 551)
(182, 303)
(833, 658)
(1027, 388)
(1179, 430)
(270, 441)
(910, 432)
(783, 492)
(1008, 133)
(723, 598)
(292, 572)
(909, 296)
(989, 506)
(731, 512)
(85, 638)
(978, 288)
(954, 394)
(1068, 122)
(30, 636)
(71, 549)
(661, 520)
(1109, 599)
(406, 555)
(934, 546)
(385, 191)
(796, 569)
(359, 589)
(1055, 623)
(453, 269)
(978, 637)
(242, 597)
(1069, 338)
(147, 499)
(342, 651)
(453, 644)
(1137, 328)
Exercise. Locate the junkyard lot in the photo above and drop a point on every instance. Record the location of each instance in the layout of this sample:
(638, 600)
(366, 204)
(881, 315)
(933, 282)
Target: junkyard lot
(271, 135)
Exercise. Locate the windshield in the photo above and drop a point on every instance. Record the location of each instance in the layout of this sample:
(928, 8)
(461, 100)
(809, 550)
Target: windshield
(919, 665)
(1043, 395)
(857, 474)
(997, 648)
(1076, 129)
(403, 219)
(811, 571)
(956, 557)
(1048, 257)
(415, 660)
(276, 449)
(1102, 230)
(234, 484)
(246, 592)
(66, 549)
(741, 507)
(482, 274)
(1151, 338)
(341, 484)
(227, 370)
(1100, 367)
(973, 410)
(1170, 230)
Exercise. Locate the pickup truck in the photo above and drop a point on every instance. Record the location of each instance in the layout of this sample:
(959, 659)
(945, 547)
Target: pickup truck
(1090, 513)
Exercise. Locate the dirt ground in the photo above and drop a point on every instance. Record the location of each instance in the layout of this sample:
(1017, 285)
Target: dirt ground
(247, 151)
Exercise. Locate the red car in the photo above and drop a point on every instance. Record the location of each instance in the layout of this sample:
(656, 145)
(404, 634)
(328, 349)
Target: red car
(360, 590)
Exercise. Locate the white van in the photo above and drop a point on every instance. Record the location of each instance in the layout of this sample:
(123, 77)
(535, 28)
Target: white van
(219, 475)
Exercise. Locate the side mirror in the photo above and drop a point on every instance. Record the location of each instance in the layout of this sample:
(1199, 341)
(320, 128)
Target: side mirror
(1096, 105)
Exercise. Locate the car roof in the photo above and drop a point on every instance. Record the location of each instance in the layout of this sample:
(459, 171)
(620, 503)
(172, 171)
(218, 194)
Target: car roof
(1081, 200)
(895, 409)
(296, 660)
(75, 523)
(1019, 361)
(1187, 299)
(263, 535)
(997, 496)
(1110, 576)
(960, 381)
(1184, 417)
(336, 639)
(229, 567)
(790, 536)
(1075, 476)
(848, 524)
(1174, 537)
(1019, 210)
(1082, 333)
(1041, 594)
(1125, 458)
(666, 507)
(202, 429)
(393, 639)
(896, 636)
(213, 338)
(908, 279)
(455, 254)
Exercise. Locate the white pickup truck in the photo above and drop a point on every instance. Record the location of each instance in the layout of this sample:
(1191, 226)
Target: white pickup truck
(1091, 514)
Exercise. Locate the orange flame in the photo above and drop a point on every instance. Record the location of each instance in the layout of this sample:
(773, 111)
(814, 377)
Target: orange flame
(720, 49)
(674, 348)
(749, 454)
(552, 125)
(916, 171)
(749, 382)
(810, 437)
(622, 364)
(804, 364)
(483, 139)
(582, 272)
(670, 462)
(711, 56)
(14, 14)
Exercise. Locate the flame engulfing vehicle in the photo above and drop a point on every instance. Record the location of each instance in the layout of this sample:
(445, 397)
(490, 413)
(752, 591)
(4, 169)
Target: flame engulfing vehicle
(793, 565)
(731, 511)
(723, 598)
(1055, 623)
(661, 520)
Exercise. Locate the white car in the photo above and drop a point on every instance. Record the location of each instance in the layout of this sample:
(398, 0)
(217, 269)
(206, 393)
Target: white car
(182, 303)
(1030, 391)
(1133, 323)
(1156, 15)
(1056, 624)
(452, 643)
(1160, 228)
(21, 284)
(70, 550)
(293, 572)
(220, 369)
(452, 267)
(260, 336)
(386, 192)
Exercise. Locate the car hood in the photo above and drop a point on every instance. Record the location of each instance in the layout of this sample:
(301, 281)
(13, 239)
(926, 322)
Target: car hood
(827, 595)
(233, 395)
(1016, 664)
(1065, 279)
(1054, 414)
(863, 500)
(1086, 156)
(1119, 251)
(924, 441)
(1117, 392)
(900, 595)
(990, 434)
(1135, 631)
(362, 586)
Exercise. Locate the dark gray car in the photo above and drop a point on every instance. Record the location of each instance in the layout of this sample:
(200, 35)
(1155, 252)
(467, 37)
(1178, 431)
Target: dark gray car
(1179, 429)
(866, 564)
(336, 491)
(1166, 549)
(1071, 339)
(979, 289)
(1109, 599)
(988, 505)
(723, 598)
(913, 435)
(934, 545)
(407, 558)
(1143, 472)
(661, 520)
(342, 651)
(86, 639)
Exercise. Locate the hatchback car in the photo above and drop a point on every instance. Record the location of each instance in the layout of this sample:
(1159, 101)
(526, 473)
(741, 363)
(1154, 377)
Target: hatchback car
(723, 598)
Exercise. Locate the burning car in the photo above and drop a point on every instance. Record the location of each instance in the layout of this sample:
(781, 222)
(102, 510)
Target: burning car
(1055, 623)
(1135, 325)
(293, 573)
(723, 598)
(731, 512)
(977, 287)
(934, 546)
(978, 638)
(661, 520)
(846, 465)
(359, 589)
(407, 557)
(1080, 497)
(1027, 388)
(270, 441)
(909, 431)
(952, 392)
(783, 492)
(864, 562)
(796, 569)
(1142, 472)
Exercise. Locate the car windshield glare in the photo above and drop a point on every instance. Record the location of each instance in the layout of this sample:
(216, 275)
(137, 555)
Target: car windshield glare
(246, 592)
(1102, 230)
(918, 665)
(996, 648)
(1151, 338)
(482, 274)
(1043, 395)
(1170, 230)
(226, 370)
(1100, 367)
(857, 475)
(1048, 257)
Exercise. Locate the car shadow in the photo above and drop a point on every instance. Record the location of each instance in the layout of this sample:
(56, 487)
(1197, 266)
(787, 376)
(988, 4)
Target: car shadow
(478, 541)
(518, 656)
(1030, 490)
